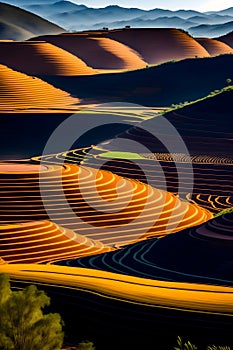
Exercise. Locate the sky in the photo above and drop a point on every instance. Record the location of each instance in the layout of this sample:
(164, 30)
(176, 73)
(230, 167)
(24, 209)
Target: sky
(199, 5)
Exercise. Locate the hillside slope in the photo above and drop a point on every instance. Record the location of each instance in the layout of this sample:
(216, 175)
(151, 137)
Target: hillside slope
(162, 85)
(215, 47)
(212, 240)
(45, 59)
(202, 173)
(18, 24)
(204, 125)
(97, 51)
(157, 45)
(227, 39)
(19, 91)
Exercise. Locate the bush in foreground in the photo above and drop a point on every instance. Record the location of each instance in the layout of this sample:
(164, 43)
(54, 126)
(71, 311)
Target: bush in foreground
(23, 326)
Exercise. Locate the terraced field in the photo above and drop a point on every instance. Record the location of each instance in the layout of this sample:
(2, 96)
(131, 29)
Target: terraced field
(120, 232)
(129, 289)
(105, 304)
(41, 58)
(43, 241)
(94, 203)
(205, 127)
(148, 259)
(212, 186)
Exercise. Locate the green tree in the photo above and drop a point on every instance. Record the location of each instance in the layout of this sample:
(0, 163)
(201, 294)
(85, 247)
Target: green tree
(23, 326)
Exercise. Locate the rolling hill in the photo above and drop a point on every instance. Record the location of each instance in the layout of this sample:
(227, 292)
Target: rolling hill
(186, 80)
(159, 45)
(97, 52)
(9, 31)
(21, 92)
(41, 58)
(215, 47)
(19, 24)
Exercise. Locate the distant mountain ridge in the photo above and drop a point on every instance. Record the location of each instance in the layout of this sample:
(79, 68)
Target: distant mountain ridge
(211, 30)
(75, 17)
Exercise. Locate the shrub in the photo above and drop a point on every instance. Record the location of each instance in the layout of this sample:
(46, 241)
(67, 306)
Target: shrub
(190, 346)
(23, 326)
(184, 346)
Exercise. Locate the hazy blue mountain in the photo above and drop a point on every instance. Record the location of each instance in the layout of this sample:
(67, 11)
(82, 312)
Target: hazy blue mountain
(210, 19)
(161, 22)
(186, 13)
(228, 11)
(75, 17)
(211, 31)
(56, 8)
(50, 11)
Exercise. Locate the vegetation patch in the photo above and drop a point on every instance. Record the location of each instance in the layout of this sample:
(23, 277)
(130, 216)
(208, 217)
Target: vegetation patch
(122, 155)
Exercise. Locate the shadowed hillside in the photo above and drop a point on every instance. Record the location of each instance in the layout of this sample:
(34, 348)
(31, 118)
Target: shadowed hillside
(205, 126)
(9, 31)
(215, 47)
(163, 85)
(20, 91)
(200, 254)
(41, 58)
(228, 39)
(97, 52)
(18, 24)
